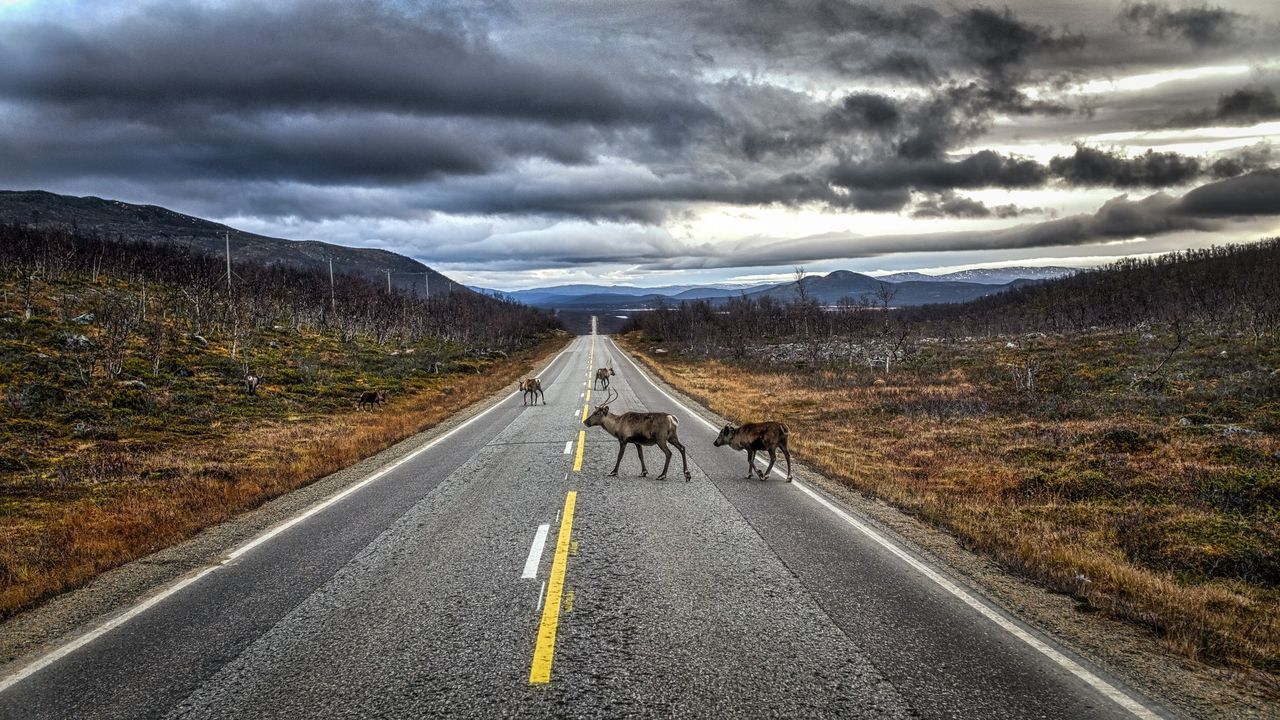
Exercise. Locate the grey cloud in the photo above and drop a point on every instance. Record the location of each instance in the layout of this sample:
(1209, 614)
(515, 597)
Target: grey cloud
(1243, 106)
(985, 168)
(1091, 166)
(1255, 157)
(1203, 209)
(1201, 26)
(950, 205)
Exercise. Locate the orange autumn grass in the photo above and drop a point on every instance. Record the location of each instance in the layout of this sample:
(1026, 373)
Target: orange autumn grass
(968, 477)
(154, 498)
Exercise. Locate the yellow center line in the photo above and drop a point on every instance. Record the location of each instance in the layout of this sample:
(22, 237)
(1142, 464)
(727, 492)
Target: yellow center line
(545, 650)
(577, 459)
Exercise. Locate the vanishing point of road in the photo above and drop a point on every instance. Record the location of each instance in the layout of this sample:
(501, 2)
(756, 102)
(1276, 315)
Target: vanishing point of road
(496, 572)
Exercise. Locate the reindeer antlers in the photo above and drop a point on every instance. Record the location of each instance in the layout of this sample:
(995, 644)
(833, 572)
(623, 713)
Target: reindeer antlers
(611, 397)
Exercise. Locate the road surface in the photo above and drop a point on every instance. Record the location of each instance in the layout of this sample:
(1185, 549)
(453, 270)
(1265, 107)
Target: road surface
(498, 572)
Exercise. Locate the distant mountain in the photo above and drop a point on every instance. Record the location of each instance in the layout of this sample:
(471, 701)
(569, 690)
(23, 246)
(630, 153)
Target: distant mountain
(843, 284)
(986, 276)
(159, 225)
(614, 294)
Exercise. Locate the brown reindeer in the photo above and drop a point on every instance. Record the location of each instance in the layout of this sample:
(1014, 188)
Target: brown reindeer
(602, 377)
(532, 389)
(640, 429)
(754, 437)
(371, 399)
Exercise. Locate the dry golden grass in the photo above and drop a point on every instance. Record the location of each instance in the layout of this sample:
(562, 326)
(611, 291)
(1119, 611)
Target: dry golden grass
(146, 498)
(1042, 496)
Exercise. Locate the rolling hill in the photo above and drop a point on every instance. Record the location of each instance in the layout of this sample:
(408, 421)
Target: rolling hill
(151, 223)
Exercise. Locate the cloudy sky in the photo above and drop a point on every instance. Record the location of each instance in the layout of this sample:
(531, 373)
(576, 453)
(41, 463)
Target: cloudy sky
(517, 144)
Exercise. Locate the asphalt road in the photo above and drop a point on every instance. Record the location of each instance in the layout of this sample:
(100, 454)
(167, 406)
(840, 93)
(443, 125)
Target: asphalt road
(424, 593)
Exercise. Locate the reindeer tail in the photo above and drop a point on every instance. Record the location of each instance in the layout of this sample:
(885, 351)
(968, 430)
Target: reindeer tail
(785, 430)
(674, 420)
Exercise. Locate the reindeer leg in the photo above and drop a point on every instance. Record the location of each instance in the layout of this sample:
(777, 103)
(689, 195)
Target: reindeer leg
(751, 463)
(787, 452)
(665, 451)
(773, 458)
(684, 459)
(622, 447)
(544, 397)
(644, 471)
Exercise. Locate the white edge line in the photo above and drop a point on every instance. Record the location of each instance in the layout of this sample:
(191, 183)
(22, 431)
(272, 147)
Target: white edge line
(64, 650)
(535, 552)
(71, 646)
(1102, 686)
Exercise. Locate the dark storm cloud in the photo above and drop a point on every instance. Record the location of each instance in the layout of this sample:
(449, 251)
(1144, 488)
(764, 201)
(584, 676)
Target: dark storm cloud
(375, 149)
(1243, 106)
(982, 169)
(318, 56)
(1091, 166)
(1203, 209)
(1201, 26)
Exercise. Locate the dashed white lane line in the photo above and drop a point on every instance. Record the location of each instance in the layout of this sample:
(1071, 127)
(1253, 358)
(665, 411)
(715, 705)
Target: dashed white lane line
(535, 552)
(1097, 683)
(542, 593)
(80, 641)
(568, 446)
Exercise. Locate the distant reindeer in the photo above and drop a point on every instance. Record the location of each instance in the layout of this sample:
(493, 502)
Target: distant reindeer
(532, 389)
(372, 399)
(251, 384)
(754, 437)
(640, 429)
(602, 377)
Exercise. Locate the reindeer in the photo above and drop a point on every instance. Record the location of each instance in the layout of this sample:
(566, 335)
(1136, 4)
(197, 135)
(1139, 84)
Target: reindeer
(372, 399)
(251, 384)
(640, 429)
(602, 377)
(532, 389)
(754, 437)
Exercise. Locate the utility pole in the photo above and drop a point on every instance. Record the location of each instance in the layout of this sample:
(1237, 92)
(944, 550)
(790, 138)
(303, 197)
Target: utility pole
(426, 284)
(333, 294)
(388, 272)
(227, 237)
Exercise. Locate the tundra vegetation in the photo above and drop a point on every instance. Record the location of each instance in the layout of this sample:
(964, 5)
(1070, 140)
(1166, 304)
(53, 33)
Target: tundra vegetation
(1114, 435)
(141, 401)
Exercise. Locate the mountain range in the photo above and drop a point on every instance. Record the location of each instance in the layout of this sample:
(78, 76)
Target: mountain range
(991, 276)
(151, 223)
(900, 289)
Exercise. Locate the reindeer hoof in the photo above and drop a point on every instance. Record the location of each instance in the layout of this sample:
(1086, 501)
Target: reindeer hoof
(687, 476)
(661, 477)
(644, 473)
(788, 478)
(612, 474)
